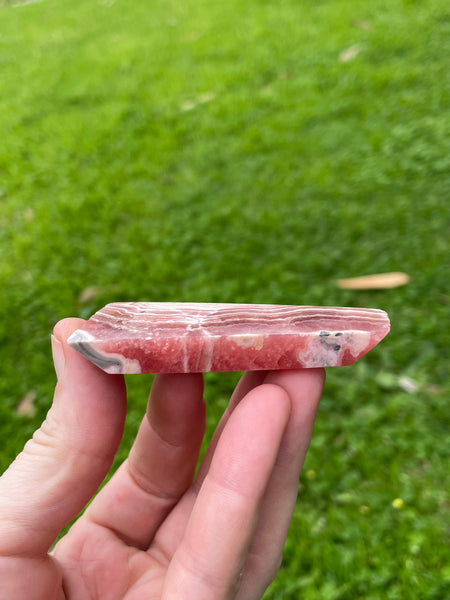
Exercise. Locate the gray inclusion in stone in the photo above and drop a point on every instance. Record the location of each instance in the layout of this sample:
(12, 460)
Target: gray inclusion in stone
(81, 342)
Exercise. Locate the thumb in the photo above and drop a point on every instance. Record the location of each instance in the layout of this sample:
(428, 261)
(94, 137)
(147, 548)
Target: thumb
(61, 467)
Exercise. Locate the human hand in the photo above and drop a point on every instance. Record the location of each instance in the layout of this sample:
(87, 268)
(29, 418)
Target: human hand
(154, 531)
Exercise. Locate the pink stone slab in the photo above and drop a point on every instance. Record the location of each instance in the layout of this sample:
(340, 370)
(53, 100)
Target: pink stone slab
(176, 337)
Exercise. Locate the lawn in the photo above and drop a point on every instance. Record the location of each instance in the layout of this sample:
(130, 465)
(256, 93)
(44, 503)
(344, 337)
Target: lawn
(247, 151)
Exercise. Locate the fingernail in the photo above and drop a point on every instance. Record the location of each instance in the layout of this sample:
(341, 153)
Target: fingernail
(59, 360)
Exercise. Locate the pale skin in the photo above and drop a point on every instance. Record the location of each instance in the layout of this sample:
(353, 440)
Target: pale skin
(156, 530)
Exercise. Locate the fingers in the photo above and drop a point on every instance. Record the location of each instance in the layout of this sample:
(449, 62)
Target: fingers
(62, 466)
(248, 381)
(171, 532)
(212, 553)
(161, 463)
(304, 388)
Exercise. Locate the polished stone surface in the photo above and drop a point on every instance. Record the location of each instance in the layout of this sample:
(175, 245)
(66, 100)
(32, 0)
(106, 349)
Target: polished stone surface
(177, 337)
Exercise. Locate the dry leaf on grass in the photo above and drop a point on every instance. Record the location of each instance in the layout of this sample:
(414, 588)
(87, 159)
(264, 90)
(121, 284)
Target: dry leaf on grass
(188, 105)
(432, 389)
(408, 384)
(379, 281)
(28, 213)
(89, 293)
(26, 406)
(361, 24)
(349, 54)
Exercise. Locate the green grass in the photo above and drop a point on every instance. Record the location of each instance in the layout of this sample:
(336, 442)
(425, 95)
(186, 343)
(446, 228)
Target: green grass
(222, 151)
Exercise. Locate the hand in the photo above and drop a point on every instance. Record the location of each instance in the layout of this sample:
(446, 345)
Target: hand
(154, 531)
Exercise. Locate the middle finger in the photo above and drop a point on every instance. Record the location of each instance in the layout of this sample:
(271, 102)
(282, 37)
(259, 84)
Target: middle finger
(161, 463)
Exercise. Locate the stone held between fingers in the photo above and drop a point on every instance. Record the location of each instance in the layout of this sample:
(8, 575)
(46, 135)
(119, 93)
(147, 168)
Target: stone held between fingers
(177, 337)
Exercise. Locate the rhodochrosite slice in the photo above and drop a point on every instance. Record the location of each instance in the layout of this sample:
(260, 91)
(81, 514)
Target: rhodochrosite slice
(176, 337)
